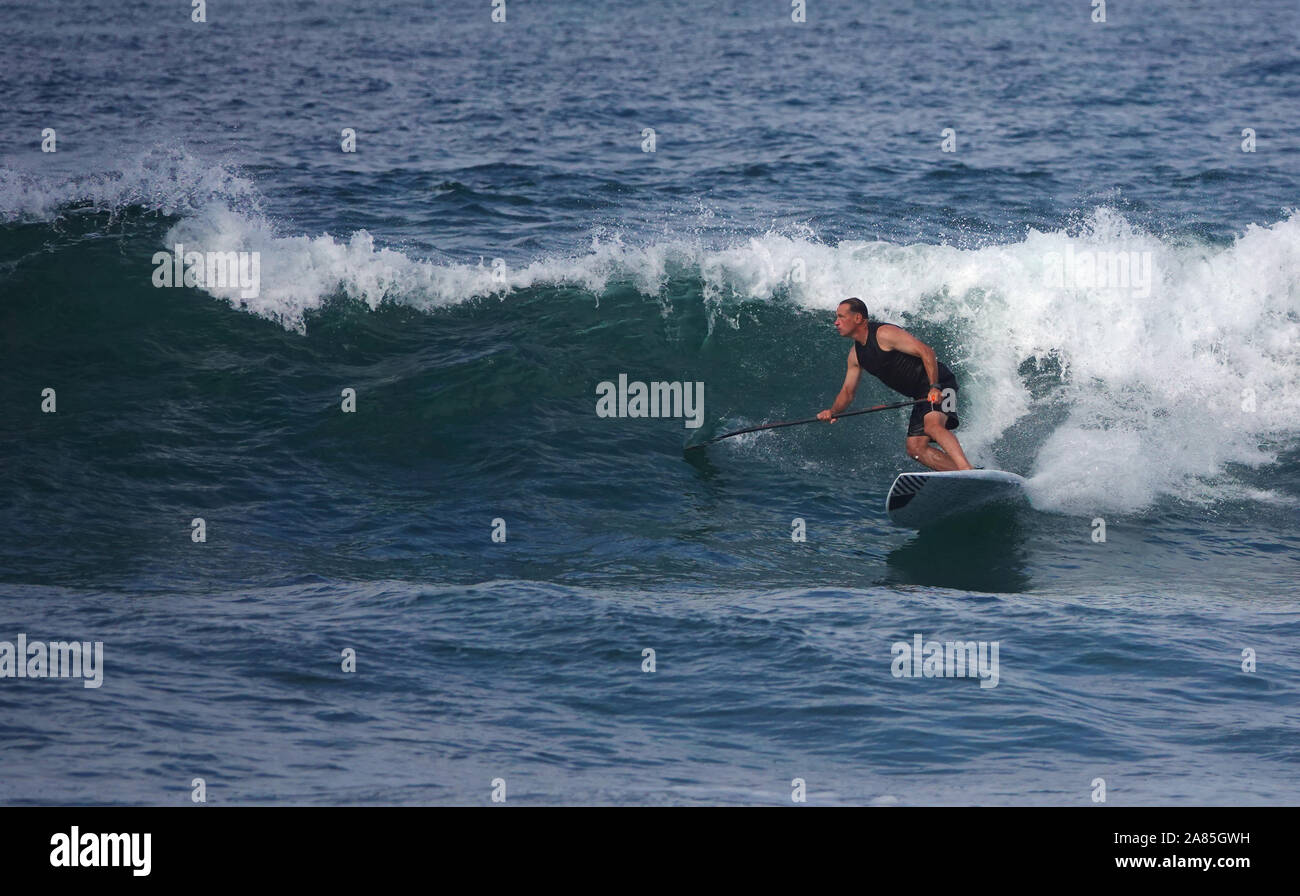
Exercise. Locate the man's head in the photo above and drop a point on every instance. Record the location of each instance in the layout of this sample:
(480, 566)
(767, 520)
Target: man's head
(849, 316)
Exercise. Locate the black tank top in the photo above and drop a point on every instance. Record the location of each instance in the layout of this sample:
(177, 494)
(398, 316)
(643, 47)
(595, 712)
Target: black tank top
(898, 370)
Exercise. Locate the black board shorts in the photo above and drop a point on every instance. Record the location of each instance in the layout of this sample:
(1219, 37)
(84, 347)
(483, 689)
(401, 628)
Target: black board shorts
(916, 424)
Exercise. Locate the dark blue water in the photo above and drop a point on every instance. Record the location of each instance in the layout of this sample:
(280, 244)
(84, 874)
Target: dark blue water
(498, 245)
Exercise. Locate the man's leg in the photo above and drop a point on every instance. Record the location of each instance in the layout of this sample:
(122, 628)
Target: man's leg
(936, 428)
(919, 448)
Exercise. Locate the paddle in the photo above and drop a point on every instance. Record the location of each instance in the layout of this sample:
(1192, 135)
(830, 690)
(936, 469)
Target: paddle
(879, 407)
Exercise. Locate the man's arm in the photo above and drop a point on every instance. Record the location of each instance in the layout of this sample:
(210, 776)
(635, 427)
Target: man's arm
(892, 338)
(845, 398)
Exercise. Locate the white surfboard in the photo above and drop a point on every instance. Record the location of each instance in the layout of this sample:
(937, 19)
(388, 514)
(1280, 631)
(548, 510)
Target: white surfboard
(919, 499)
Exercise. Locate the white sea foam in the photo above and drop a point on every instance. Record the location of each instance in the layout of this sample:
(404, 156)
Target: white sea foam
(165, 179)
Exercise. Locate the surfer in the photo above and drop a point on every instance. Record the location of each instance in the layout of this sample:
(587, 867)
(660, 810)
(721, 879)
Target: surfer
(905, 364)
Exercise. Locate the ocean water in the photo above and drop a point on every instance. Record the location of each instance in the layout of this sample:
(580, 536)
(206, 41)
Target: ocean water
(497, 558)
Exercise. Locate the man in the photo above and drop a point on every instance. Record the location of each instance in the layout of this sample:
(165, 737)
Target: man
(905, 364)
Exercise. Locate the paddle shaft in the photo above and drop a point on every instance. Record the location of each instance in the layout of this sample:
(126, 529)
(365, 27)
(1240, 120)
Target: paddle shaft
(879, 407)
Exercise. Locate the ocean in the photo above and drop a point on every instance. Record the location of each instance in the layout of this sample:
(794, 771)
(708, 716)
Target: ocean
(352, 530)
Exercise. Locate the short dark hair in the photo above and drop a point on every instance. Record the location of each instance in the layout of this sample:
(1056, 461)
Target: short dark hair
(856, 304)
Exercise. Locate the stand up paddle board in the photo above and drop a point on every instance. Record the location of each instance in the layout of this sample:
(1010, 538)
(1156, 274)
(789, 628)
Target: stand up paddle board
(919, 499)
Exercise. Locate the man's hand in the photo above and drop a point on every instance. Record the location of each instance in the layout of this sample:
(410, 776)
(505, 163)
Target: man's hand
(826, 415)
(935, 396)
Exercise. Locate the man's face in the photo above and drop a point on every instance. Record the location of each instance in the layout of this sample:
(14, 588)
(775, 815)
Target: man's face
(846, 320)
